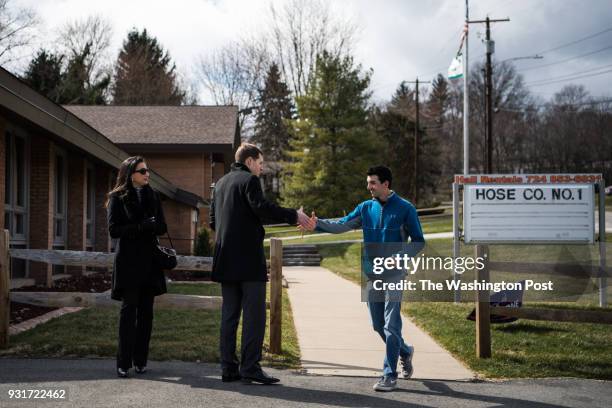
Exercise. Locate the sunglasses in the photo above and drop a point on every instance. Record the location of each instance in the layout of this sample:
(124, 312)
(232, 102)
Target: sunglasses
(142, 171)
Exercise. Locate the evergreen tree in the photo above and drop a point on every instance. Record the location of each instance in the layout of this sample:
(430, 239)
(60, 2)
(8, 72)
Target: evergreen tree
(271, 132)
(145, 74)
(76, 88)
(333, 145)
(275, 108)
(44, 74)
(395, 124)
(438, 101)
(71, 85)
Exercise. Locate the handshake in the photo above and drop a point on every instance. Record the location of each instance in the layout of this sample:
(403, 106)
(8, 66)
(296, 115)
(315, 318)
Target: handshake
(306, 223)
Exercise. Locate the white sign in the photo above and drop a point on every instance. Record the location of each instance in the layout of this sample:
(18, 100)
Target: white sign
(524, 213)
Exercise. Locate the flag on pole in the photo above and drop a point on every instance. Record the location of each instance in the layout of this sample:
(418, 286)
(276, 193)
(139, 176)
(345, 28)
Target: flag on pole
(456, 67)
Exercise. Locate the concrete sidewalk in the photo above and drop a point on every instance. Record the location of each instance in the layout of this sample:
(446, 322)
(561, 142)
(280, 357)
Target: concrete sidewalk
(336, 336)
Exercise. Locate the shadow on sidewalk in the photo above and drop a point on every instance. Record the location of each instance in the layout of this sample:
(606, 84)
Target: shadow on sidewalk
(206, 376)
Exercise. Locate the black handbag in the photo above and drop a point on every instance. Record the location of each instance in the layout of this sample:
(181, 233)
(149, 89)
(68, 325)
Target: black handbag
(164, 257)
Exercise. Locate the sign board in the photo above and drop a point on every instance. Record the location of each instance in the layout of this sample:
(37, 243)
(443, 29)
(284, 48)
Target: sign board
(528, 213)
(581, 178)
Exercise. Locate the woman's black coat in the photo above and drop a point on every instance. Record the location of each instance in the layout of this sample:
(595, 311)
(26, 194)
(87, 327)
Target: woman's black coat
(134, 266)
(236, 215)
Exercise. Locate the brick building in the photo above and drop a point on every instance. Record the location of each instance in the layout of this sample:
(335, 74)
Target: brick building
(56, 170)
(190, 146)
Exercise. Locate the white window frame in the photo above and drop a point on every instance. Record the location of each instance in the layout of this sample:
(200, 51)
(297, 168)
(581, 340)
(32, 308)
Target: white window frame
(60, 240)
(90, 205)
(11, 207)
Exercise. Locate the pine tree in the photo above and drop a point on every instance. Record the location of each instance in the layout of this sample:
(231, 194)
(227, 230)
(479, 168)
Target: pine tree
(395, 124)
(145, 74)
(44, 74)
(271, 132)
(333, 145)
(69, 85)
(275, 108)
(76, 88)
(438, 101)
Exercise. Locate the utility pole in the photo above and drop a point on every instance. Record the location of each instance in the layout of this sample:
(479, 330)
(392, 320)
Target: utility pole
(466, 97)
(490, 47)
(416, 138)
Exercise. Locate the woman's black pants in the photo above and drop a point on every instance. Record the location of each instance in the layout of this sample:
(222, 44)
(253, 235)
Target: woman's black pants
(135, 325)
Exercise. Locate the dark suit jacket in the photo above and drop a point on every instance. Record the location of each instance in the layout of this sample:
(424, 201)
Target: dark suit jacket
(134, 266)
(236, 214)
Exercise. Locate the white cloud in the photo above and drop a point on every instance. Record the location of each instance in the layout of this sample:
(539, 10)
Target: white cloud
(399, 39)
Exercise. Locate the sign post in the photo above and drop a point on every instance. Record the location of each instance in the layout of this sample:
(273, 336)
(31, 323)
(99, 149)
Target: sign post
(483, 307)
(603, 284)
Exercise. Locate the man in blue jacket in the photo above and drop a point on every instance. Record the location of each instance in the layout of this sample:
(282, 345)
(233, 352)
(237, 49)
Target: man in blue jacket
(386, 218)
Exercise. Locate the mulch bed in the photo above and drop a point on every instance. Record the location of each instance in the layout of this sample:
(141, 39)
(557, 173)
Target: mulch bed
(20, 312)
(96, 283)
(178, 275)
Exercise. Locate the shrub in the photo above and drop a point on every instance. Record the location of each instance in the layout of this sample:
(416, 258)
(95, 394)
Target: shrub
(203, 246)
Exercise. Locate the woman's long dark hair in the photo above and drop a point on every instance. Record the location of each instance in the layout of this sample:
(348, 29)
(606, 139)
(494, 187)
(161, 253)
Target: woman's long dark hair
(124, 178)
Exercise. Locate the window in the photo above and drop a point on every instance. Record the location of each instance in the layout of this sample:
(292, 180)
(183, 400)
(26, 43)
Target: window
(60, 194)
(16, 190)
(91, 209)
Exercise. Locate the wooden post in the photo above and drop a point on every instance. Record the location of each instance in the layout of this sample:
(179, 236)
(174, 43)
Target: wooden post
(5, 284)
(276, 294)
(483, 307)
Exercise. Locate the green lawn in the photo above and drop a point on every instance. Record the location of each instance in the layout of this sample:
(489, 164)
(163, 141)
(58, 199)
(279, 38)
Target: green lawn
(432, 225)
(525, 348)
(187, 335)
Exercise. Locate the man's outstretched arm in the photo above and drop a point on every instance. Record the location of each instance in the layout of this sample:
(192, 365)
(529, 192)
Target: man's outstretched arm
(350, 222)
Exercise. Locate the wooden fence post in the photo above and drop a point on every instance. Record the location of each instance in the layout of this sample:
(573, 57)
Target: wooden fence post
(483, 307)
(5, 284)
(276, 294)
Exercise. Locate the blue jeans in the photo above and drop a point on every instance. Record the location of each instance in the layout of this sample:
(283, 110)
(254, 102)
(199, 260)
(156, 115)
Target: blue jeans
(387, 322)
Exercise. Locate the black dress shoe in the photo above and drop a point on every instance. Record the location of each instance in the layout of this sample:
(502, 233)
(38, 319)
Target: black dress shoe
(140, 370)
(230, 377)
(121, 373)
(259, 377)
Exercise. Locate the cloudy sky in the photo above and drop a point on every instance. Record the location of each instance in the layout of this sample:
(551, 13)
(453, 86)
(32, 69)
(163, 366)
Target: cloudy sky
(398, 39)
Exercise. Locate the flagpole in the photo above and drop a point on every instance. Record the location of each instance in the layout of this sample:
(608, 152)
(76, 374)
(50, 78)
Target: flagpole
(466, 99)
(466, 151)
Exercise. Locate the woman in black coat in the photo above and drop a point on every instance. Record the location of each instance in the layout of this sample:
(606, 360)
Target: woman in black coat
(135, 218)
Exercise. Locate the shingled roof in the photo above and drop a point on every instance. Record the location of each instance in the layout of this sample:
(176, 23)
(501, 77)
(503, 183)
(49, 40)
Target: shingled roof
(162, 124)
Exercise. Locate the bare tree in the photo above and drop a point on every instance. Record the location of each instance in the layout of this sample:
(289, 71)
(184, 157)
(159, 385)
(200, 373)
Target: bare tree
(234, 73)
(302, 29)
(17, 30)
(93, 33)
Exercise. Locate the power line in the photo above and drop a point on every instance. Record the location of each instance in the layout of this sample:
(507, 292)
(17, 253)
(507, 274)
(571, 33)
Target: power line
(535, 81)
(551, 104)
(567, 59)
(575, 42)
(573, 78)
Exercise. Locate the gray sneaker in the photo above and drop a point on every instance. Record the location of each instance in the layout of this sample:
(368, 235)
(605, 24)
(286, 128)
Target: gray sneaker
(386, 383)
(406, 362)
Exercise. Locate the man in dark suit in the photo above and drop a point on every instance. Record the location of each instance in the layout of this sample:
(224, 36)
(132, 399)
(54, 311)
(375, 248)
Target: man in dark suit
(239, 263)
